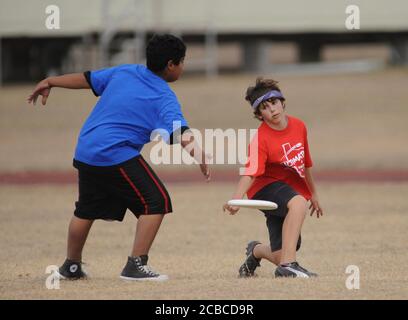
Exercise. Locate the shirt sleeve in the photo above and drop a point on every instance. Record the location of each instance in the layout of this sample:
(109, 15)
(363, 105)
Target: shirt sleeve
(99, 79)
(257, 156)
(308, 158)
(171, 120)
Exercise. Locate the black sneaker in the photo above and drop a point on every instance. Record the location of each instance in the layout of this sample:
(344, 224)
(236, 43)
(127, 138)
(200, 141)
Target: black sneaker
(247, 269)
(137, 269)
(71, 270)
(293, 270)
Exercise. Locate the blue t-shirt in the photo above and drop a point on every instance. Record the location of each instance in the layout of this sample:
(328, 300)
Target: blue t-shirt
(133, 103)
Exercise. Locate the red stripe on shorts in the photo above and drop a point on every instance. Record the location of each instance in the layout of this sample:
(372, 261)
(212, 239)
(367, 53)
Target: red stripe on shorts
(134, 188)
(156, 183)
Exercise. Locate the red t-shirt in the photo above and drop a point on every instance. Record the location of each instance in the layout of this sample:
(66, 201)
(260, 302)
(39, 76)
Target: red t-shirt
(281, 155)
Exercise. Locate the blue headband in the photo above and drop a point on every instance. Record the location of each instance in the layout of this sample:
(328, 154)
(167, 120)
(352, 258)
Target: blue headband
(270, 94)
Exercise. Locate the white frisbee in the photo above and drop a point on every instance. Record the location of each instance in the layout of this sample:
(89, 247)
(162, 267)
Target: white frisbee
(253, 204)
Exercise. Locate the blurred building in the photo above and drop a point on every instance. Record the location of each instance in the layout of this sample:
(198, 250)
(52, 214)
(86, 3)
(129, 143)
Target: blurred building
(99, 33)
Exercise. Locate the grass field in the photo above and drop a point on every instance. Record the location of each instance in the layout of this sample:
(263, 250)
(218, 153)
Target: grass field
(200, 248)
(355, 121)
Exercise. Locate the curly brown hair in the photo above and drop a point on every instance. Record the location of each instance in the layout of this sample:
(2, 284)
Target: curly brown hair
(262, 86)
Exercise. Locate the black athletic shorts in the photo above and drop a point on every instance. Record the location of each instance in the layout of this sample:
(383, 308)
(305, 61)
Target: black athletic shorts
(281, 194)
(107, 192)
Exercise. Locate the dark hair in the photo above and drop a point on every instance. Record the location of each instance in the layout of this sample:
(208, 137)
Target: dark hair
(262, 86)
(163, 48)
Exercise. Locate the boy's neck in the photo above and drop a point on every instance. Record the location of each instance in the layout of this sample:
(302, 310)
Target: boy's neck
(160, 75)
(163, 75)
(282, 125)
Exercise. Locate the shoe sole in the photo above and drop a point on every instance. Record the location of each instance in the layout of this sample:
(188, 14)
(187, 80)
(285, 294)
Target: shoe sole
(292, 276)
(158, 279)
(296, 274)
(247, 277)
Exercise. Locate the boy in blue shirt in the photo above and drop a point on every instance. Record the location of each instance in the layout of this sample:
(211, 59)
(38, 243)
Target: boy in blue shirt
(113, 176)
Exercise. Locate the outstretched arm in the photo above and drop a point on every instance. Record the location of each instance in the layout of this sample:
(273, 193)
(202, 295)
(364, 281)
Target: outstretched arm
(243, 185)
(69, 81)
(190, 145)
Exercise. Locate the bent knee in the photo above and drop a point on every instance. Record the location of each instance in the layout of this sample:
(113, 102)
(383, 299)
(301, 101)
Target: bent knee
(297, 203)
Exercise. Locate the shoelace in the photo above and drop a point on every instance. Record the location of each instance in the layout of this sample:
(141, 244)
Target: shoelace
(148, 270)
(145, 269)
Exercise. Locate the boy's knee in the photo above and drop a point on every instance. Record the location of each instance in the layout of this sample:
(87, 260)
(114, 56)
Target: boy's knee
(298, 203)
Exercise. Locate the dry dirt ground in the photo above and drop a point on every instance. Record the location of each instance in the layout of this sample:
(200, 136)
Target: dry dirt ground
(201, 248)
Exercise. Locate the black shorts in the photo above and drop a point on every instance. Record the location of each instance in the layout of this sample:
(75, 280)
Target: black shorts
(281, 194)
(107, 192)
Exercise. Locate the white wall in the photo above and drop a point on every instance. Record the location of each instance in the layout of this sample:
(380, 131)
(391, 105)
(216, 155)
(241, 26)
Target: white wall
(27, 17)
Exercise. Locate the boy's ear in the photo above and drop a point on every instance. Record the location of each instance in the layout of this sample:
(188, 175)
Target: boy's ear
(258, 116)
(170, 64)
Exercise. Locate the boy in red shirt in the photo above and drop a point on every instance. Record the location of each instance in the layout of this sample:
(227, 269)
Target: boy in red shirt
(278, 170)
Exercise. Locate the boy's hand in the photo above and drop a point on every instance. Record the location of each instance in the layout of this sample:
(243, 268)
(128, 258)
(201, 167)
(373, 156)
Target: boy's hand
(43, 89)
(231, 209)
(206, 158)
(315, 206)
(205, 171)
